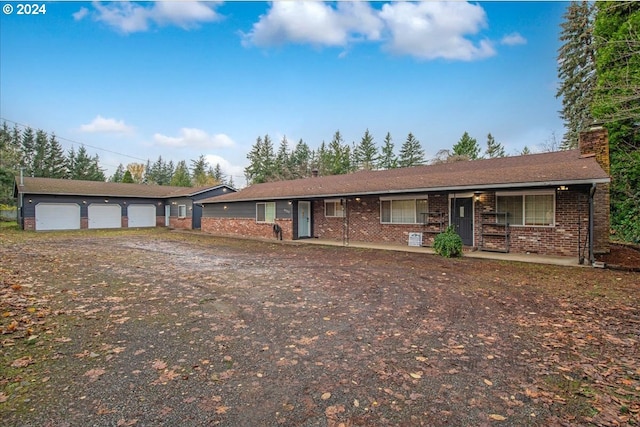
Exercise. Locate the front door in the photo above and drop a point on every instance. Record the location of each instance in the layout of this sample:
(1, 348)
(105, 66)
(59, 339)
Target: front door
(462, 218)
(196, 216)
(304, 219)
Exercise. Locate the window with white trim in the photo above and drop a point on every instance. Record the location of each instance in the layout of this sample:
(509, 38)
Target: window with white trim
(266, 212)
(403, 211)
(182, 211)
(333, 208)
(536, 208)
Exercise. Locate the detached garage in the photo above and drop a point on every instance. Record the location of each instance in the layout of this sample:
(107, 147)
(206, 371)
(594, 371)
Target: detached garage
(65, 204)
(57, 216)
(104, 216)
(141, 216)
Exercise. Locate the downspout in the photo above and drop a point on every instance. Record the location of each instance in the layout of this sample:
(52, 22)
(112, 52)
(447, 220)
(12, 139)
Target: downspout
(591, 215)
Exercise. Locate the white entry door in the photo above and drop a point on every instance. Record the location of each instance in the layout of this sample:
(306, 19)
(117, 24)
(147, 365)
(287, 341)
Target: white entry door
(304, 219)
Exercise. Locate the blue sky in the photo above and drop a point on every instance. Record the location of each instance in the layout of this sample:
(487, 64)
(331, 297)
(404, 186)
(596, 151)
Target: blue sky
(180, 79)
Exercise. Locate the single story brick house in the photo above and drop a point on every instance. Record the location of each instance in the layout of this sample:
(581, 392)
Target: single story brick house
(551, 203)
(63, 204)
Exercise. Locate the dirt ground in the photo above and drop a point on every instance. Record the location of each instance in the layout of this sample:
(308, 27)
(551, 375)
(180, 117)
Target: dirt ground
(145, 328)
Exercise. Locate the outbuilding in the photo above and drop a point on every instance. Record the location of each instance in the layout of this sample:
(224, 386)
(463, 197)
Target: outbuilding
(61, 204)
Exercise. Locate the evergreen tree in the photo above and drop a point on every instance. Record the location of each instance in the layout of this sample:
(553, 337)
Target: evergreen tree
(217, 174)
(338, 156)
(411, 153)
(300, 160)
(617, 103)
(28, 150)
(365, 154)
(576, 70)
(181, 177)
(81, 166)
(118, 175)
(9, 162)
(281, 164)
(494, 149)
(55, 161)
(525, 151)
(38, 167)
(467, 146)
(127, 178)
(388, 159)
(199, 171)
(261, 161)
(617, 37)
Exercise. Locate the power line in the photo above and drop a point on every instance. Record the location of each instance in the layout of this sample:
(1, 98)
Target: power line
(77, 142)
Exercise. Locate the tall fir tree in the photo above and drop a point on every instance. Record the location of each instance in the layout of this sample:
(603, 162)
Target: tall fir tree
(28, 147)
(118, 175)
(181, 176)
(467, 146)
(494, 148)
(338, 156)
(411, 152)
(281, 163)
(55, 161)
(388, 158)
(300, 160)
(82, 166)
(127, 178)
(199, 175)
(576, 70)
(365, 154)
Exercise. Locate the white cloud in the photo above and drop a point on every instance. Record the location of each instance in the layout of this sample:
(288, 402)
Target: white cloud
(130, 17)
(425, 30)
(104, 125)
(79, 15)
(237, 172)
(194, 138)
(513, 39)
(316, 23)
(430, 30)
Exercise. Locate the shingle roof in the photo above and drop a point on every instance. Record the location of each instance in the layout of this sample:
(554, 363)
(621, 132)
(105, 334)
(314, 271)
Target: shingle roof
(99, 188)
(557, 168)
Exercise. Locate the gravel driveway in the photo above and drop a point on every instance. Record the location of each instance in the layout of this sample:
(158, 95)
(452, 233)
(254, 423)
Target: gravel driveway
(159, 328)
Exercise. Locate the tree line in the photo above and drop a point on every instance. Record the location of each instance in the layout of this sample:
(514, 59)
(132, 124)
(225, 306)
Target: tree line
(599, 73)
(38, 154)
(266, 163)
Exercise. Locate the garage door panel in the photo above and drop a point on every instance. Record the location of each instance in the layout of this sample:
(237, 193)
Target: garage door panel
(141, 216)
(104, 216)
(57, 216)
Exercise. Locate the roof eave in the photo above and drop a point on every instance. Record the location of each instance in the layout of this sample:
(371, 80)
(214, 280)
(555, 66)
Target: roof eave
(460, 188)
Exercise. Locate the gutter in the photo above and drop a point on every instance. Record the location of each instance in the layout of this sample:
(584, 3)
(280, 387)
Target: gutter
(592, 192)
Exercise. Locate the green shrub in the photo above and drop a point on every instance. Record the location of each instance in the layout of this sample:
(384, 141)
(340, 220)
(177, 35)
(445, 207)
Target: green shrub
(448, 244)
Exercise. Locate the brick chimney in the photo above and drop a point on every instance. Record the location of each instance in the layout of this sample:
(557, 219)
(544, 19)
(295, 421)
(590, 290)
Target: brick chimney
(314, 173)
(595, 143)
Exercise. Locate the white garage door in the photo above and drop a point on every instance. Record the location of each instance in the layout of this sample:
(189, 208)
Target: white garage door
(104, 216)
(57, 216)
(141, 215)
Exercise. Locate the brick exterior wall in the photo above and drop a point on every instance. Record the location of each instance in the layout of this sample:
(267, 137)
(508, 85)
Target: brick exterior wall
(572, 221)
(181, 223)
(30, 224)
(246, 227)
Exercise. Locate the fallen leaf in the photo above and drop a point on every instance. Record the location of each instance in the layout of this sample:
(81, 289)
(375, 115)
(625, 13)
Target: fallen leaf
(159, 365)
(487, 382)
(222, 409)
(22, 362)
(497, 417)
(416, 375)
(325, 396)
(94, 374)
(3, 397)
